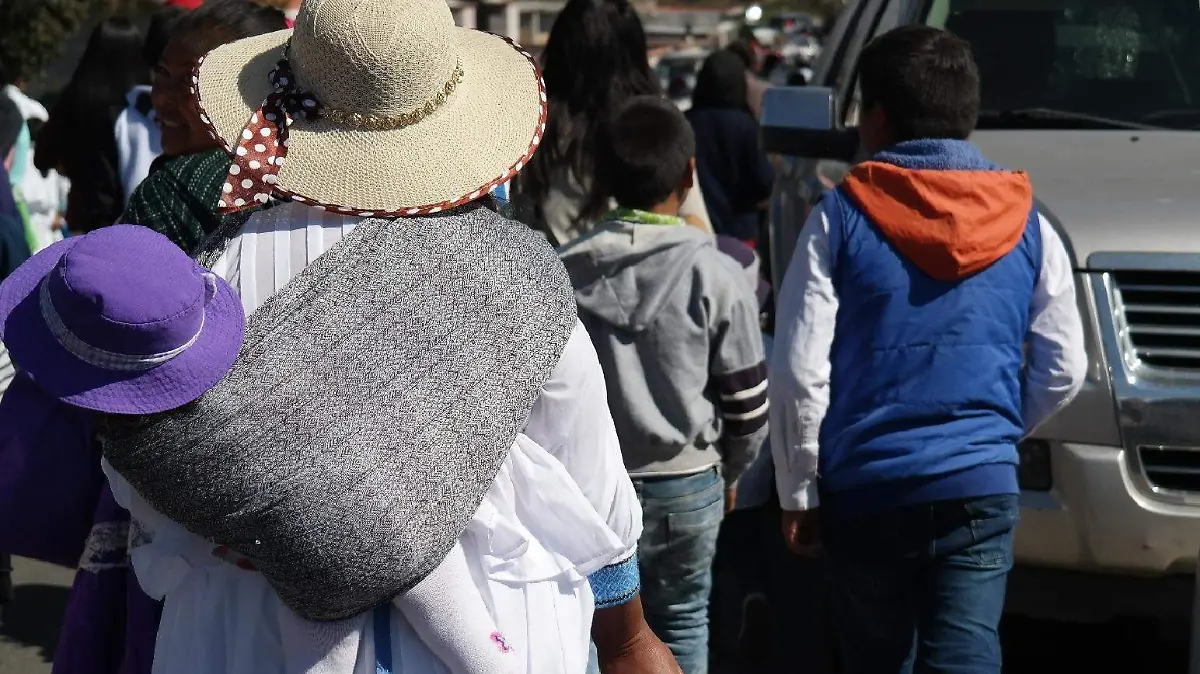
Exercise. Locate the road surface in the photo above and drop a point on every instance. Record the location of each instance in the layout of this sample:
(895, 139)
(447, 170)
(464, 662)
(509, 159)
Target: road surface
(29, 630)
(29, 625)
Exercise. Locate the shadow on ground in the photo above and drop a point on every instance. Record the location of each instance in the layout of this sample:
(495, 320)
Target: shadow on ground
(33, 617)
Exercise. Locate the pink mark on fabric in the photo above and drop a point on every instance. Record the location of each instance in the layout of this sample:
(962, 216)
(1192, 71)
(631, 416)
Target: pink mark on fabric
(498, 639)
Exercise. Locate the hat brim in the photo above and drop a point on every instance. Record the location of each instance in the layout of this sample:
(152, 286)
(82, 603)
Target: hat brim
(483, 134)
(179, 381)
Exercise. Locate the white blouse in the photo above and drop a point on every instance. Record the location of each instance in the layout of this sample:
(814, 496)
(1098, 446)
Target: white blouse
(561, 507)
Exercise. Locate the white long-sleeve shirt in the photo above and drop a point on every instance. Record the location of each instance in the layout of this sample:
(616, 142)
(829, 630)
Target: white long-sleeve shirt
(800, 368)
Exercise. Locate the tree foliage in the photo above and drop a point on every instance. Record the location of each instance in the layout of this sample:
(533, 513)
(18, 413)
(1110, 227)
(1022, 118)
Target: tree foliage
(34, 33)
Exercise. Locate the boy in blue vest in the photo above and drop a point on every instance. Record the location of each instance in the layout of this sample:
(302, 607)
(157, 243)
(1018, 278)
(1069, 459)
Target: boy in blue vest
(900, 378)
(675, 324)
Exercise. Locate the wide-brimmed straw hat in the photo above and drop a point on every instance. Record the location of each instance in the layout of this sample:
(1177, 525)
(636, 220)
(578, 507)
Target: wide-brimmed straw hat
(121, 321)
(372, 107)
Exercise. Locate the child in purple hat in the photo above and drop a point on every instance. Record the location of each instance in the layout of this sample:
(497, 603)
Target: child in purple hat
(122, 322)
(118, 321)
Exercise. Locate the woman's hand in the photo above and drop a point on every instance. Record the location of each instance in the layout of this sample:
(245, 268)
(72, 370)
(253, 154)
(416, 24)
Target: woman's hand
(647, 655)
(625, 644)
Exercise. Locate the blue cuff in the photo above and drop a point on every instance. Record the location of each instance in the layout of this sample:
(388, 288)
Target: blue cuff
(617, 584)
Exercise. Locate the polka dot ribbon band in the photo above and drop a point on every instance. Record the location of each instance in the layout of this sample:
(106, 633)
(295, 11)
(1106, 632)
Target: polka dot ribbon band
(263, 144)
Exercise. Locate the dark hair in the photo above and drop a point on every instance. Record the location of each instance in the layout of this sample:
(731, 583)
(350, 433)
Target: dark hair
(594, 60)
(926, 81)
(78, 139)
(111, 65)
(721, 82)
(11, 123)
(162, 25)
(219, 22)
(742, 49)
(649, 146)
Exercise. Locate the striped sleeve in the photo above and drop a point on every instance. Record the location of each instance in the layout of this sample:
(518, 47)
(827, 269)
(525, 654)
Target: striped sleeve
(737, 370)
(742, 397)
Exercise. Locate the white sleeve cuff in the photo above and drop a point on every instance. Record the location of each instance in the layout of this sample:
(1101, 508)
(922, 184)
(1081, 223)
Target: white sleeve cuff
(796, 491)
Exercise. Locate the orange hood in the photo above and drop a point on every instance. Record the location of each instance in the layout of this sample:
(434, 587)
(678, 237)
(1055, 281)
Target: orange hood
(949, 223)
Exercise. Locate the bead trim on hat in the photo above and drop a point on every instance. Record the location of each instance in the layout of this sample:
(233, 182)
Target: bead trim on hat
(300, 103)
(261, 155)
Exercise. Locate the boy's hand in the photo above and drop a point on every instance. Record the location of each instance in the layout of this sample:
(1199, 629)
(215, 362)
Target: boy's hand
(730, 499)
(802, 531)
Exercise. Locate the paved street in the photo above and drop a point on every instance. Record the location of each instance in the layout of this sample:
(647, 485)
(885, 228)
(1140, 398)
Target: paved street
(29, 630)
(29, 626)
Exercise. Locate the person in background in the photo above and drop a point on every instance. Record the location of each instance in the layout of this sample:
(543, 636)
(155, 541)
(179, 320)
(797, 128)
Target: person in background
(139, 140)
(594, 60)
(14, 250)
(756, 87)
(734, 172)
(179, 197)
(675, 323)
(926, 324)
(42, 194)
(78, 139)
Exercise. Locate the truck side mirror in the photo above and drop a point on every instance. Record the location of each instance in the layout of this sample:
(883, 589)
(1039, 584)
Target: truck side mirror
(804, 122)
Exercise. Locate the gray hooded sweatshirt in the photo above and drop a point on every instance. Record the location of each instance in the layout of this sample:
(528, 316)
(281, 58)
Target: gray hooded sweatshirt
(676, 327)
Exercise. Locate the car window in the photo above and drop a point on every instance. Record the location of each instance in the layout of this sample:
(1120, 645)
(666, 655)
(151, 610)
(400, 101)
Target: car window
(1081, 62)
(829, 64)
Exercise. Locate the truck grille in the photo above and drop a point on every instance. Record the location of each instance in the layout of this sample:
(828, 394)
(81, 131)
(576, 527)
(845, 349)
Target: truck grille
(1174, 468)
(1158, 314)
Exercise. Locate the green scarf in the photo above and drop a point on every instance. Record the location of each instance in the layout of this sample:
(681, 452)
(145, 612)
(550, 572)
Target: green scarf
(179, 199)
(642, 217)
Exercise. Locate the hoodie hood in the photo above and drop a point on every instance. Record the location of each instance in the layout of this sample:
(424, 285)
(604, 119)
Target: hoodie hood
(943, 205)
(625, 273)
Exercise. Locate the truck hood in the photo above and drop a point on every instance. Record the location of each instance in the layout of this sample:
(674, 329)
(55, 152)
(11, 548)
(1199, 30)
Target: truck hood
(1110, 191)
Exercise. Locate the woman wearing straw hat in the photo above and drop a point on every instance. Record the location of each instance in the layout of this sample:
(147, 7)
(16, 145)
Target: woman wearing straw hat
(413, 376)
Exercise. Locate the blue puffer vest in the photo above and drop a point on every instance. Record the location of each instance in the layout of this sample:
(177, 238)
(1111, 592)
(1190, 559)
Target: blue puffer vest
(925, 393)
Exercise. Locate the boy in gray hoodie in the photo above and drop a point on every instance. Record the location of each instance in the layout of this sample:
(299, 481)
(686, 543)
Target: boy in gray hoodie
(675, 323)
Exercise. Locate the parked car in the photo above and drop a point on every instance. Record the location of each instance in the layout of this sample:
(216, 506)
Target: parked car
(800, 48)
(677, 72)
(1100, 103)
(789, 22)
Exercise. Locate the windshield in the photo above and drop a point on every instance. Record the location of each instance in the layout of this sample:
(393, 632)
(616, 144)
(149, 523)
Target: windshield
(1121, 61)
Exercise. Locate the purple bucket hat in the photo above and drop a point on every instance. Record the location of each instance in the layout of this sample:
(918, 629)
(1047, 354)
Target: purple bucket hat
(120, 321)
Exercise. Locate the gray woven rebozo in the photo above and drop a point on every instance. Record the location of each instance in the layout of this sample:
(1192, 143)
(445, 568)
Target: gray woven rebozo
(373, 402)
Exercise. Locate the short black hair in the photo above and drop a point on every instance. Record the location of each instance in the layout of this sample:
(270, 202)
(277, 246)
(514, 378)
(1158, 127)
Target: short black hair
(744, 51)
(649, 147)
(926, 81)
(162, 25)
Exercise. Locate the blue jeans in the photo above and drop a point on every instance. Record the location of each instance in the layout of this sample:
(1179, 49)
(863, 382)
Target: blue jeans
(682, 517)
(920, 589)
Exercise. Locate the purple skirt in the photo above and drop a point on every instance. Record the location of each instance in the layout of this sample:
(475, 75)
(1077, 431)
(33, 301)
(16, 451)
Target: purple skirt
(111, 625)
(56, 507)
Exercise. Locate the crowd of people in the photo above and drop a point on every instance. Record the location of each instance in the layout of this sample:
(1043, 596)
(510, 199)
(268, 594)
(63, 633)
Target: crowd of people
(353, 341)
